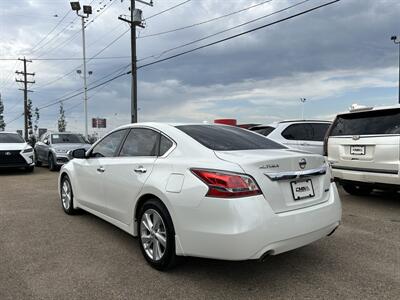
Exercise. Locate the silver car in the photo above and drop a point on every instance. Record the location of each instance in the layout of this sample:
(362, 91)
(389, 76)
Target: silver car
(53, 148)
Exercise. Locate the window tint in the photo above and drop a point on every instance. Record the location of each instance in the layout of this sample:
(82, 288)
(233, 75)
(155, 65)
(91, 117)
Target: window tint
(319, 131)
(301, 132)
(226, 138)
(165, 145)
(140, 142)
(370, 122)
(11, 138)
(306, 132)
(263, 130)
(109, 145)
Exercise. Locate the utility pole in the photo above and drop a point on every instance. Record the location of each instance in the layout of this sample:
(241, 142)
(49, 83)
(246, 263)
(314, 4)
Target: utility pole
(25, 81)
(396, 41)
(87, 10)
(135, 20)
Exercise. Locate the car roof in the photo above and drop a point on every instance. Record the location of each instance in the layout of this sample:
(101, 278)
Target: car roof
(275, 124)
(370, 108)
(9, 132)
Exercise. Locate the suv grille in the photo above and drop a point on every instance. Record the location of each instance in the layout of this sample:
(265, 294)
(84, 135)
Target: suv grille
(11, 157)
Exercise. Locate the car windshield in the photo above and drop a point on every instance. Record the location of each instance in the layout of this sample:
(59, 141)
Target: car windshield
(9, 138)
(228, 138)
(67, 138)
(369, 122)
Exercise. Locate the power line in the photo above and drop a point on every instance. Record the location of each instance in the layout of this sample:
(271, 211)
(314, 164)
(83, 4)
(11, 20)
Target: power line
(204, 22)
(166, 10)
(225, 30)
(239, 34)
(51, 31)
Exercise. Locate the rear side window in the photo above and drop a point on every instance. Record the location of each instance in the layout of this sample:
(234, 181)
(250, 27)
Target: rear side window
(263, 130)
(165, 145)
(369, 122)
(140, 142)
(306, 132)
(228, 138)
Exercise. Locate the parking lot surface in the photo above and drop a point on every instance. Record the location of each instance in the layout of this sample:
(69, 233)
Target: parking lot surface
(45, 254)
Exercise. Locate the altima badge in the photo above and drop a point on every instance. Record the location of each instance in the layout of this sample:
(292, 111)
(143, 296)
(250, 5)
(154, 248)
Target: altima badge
(302, 163)
(356, 137)
(269, 166)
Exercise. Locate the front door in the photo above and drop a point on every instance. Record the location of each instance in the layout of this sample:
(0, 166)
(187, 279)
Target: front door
(125, 175)
(92, 172)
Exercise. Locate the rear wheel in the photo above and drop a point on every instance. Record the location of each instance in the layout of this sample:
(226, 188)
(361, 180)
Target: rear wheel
(157, 235)
(357, 190)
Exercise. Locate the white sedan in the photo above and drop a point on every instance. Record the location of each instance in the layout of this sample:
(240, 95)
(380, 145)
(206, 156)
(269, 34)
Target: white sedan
(209, 191)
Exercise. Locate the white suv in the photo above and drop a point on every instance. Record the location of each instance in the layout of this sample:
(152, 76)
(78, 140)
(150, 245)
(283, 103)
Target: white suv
(363, 149)
(300, 134)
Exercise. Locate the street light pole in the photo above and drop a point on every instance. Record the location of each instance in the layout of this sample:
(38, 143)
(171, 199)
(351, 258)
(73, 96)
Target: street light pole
(85, 98)
(87, 10)
(396, 41)
(303, 100)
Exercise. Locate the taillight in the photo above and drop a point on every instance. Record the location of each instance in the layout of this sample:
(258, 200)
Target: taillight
(223, 184)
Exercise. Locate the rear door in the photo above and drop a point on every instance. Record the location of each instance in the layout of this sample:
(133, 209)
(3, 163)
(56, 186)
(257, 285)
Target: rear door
(125, 175)
(366, 141)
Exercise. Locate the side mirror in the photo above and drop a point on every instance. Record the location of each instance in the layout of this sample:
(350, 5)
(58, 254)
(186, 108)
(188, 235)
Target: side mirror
(77, 153)
(46, 141)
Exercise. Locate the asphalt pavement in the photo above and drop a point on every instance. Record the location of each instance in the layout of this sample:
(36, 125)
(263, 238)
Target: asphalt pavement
(46, 254)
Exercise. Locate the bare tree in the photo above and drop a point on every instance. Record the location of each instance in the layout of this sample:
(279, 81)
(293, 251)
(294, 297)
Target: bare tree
(2, 123)
(62, 123)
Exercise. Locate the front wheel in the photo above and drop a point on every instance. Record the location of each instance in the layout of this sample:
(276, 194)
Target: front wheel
(157, 235)
(52, 163)
(357, 190)
(67, 196)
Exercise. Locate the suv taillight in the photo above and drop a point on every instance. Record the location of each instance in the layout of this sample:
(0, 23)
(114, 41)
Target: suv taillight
(223, 184)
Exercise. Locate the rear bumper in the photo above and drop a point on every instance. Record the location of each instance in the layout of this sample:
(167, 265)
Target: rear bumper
(247, 228)
(365, 176)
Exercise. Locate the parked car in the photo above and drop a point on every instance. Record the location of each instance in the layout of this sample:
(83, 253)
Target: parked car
(52, 149)
(363, 149)
(299, 134)
(212, 191)
(15, 152)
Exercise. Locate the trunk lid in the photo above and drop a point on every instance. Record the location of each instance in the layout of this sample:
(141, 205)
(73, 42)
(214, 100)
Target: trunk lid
(273, 171)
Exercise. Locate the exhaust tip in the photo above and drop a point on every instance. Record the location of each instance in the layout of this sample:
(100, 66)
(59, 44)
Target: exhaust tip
(266, 255)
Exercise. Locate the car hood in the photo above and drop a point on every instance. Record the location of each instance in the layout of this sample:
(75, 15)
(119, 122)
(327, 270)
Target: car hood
(12, 146)
(71, 146)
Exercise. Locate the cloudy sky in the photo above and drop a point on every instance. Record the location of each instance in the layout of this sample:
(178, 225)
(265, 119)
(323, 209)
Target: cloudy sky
(335, 56)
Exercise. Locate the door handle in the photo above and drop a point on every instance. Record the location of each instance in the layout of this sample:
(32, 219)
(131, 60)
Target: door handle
(140, 170)
(101, 170)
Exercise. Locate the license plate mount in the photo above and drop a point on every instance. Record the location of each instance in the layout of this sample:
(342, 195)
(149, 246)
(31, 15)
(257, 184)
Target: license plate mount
(303, 189)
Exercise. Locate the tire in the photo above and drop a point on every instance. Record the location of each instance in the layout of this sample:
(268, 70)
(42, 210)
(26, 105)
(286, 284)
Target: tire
(52, 163)
(38, 163)
(158, 243)
(30, 169)
(67, 196)
(357, 190)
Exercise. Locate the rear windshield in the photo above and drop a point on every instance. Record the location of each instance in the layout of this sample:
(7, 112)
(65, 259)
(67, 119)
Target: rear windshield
(9, 138)
(228, 138)
(67, 139)
(370, 122)
(266, 130)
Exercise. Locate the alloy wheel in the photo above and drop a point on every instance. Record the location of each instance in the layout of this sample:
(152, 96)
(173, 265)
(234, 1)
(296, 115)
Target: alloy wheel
(66, 194)
(153, 234)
